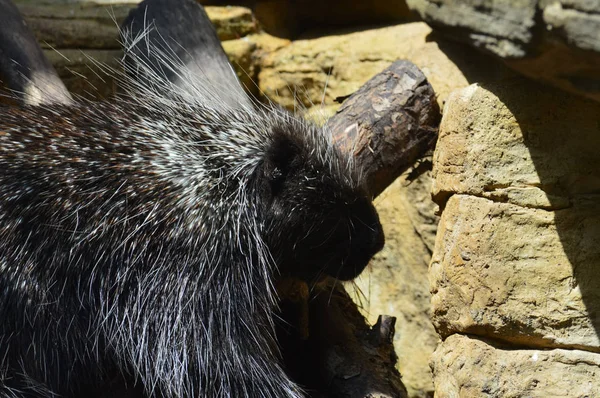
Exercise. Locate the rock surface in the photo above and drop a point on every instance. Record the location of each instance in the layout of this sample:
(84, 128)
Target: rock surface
(518, 142)
(396, 281)
(517, 274)
(516, 255)
(470, 367)
(246, 54)
(557, 41)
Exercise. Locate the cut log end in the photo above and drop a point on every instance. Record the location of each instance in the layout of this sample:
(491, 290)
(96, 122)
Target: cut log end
(388, 124)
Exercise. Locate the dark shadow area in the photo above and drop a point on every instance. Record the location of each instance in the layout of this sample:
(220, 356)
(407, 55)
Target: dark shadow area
(291, 18)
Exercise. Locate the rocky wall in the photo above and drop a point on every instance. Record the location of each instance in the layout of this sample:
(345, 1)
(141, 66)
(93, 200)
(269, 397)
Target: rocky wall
(514, 274)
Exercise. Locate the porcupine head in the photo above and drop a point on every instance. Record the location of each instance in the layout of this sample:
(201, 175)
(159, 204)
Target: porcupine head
(318, 217)
(304, 200)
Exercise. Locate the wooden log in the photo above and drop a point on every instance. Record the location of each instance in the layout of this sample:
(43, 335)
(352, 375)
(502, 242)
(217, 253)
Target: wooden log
(24, 68)
(388, 124)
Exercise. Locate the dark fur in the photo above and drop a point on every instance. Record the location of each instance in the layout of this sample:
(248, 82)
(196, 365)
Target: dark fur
(143, 240)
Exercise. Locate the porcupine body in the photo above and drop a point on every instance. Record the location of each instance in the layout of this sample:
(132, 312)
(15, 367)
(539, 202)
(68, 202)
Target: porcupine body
(143, 237)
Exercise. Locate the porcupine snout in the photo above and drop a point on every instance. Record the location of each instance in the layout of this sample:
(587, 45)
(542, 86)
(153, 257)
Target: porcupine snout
(367, 240)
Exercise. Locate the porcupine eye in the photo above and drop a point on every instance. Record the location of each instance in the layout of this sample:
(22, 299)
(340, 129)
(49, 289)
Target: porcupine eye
(281, 157)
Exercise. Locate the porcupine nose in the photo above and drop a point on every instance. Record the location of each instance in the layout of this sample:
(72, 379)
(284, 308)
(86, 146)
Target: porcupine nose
(377, 237)
(367, 239)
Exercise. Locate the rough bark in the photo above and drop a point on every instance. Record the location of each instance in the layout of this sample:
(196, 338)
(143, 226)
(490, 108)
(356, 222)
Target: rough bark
(389, 123)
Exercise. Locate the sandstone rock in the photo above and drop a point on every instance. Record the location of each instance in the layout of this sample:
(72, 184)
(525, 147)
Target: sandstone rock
(517, 274)
(232, 22)
(265, 43)
(557, 41)
(314, 71)
(517, 248)
(245, 55)
(421, 210)
(396, 281)
(469, 367)
(508, 142)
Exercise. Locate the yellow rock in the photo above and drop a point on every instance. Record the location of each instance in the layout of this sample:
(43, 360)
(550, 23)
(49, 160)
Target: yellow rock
(469, 367)
(396, 281)
(517, 172)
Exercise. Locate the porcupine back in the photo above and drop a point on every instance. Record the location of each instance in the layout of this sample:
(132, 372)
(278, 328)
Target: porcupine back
(144, 235)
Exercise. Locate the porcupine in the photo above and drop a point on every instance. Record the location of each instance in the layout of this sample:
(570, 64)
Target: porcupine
(143, 236)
